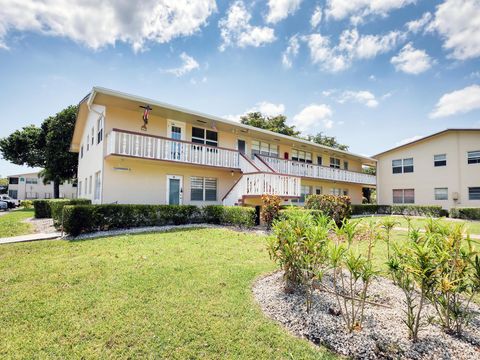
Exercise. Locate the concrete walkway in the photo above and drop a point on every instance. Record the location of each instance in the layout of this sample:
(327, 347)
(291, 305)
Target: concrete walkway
(30, 237)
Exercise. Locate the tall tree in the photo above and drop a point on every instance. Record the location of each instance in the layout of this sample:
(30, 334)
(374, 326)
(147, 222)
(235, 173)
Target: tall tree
(330, 141)
(46, 146)
(277, 123)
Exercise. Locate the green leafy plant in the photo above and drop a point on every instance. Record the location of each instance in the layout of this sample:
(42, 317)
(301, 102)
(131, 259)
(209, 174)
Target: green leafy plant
(336, 207)
(270, 209)
(26, 204)
(387, 225)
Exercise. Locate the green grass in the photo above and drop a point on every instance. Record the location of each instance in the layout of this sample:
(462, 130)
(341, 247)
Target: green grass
(177, 295)
(418, 222)
(12, 224)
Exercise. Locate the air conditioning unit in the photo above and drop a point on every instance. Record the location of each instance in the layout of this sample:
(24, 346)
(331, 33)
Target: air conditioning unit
(455, 196)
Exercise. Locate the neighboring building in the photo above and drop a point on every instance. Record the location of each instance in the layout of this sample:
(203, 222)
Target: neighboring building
(440, 169)
(30, 186)
(185, 157)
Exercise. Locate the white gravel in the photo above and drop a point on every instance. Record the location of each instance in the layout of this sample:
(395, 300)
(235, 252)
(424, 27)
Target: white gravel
(384, 335)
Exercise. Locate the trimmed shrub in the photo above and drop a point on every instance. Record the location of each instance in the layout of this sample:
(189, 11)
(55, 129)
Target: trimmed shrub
(26, 204)
(87, 218)
(371, 209)
(41, 209)
(336, 207)
(270, 209)
(418, 210)
(465, 213)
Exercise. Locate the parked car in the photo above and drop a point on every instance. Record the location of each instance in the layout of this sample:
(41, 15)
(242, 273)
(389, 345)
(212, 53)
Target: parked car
(3, 206)
(12, 203)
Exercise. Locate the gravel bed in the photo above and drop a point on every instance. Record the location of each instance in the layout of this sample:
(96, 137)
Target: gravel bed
(384, 335)
(148, 229)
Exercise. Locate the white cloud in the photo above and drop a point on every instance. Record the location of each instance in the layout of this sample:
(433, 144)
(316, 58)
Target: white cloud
(316, 17)
(411, 60)
(408, 140)
(236, 30)
(280, 9)
(188, 64)
(265, 107)
(363, 97)
(96, 24)
(291, 51)
(417, 25)
(457, 21)
(351, 46)
(313, 117)
(457, 102)
(359, 9)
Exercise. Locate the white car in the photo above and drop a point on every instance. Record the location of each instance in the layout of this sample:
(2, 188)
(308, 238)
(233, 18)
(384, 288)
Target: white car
(10, 201)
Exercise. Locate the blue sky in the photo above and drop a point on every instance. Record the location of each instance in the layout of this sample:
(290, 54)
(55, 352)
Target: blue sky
(372, 73)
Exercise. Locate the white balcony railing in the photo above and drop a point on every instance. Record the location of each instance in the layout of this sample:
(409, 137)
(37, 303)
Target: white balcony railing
(153, 147)
(271, 184)
(297, 168)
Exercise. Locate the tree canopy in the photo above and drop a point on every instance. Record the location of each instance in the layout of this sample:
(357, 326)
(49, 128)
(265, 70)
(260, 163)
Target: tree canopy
(46, 146)
(279, 125)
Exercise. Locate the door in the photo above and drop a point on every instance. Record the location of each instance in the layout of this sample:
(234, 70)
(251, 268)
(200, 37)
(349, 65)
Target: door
(242, 146)
(176, 131)
(174, 189)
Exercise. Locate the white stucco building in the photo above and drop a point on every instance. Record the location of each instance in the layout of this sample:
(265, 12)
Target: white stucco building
(30, 186)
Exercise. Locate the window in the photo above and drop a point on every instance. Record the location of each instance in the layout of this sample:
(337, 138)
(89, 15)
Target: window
(203, 189)
(202, 136)
(81, 152)
(264, 148)
(97, 186)
(13, 193)
(79, 188)
(90, 184)
(32, 181)
(345, 192)
(99, 129)
(13, 180)
(440, 160)
(86, 185)
(88, 142)
(299, 155)
(319, 160)
(345, 165)
(404, 196)
(304, 192)
(405, 166)
(318, 190)
(335, 163)
(473, 157)
(441, 193)
(474, 193)
(335, 191)
(93, 134)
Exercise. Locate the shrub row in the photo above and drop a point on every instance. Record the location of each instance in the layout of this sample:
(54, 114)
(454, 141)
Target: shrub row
(465, 213)
(47, 208)
(78, 219)
(410, 210)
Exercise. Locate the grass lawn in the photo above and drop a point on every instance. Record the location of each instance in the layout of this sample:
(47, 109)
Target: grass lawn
(11, 224)
(176, 295)
(419, 222)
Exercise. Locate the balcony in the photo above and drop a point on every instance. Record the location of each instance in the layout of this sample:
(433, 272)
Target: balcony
(302, 169)
(125, 143)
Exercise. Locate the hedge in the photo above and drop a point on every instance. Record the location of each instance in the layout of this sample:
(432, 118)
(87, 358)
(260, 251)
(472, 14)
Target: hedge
(465, 213)
(411, 210)
(336, 207)
(87, 218)
(52, 208)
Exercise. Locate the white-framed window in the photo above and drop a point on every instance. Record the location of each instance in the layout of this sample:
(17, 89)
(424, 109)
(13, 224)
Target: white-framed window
(335, 163)
(441, 193)
(98, 183)
(318, 190)
(473, 157)
(345, 165)
(303, 156)
(203, 189)
(403, 196)
(319, 160)
(474, 193)
(402, 166)
(81, 152)
(204, 136)
(440, 160)
(79, 188)
(32, 180)
(88, 142)
(264, 148)
(90, 184)
(100, 129)
(336, 191)
(345, 192)
(93, 134)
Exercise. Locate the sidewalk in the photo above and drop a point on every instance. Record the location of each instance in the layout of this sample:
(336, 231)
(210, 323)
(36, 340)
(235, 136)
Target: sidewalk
(30, 237)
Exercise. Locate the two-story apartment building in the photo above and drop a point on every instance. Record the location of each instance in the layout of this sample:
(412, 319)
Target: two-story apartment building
(31, 186)
(186, 157)
(440, 169)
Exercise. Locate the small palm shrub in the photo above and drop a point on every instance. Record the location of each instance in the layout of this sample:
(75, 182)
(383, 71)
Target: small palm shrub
(270, 209)
(387, 225)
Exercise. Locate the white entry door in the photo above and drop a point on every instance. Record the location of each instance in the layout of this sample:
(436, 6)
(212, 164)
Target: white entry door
(176, 131)
(174, 189)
